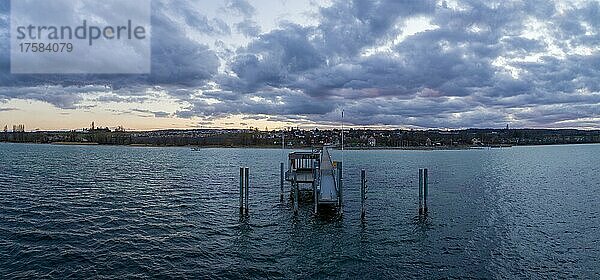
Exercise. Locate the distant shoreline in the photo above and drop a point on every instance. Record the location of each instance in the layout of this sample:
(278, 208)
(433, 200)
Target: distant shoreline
(355, 139)
(422, 148)
(74, 143)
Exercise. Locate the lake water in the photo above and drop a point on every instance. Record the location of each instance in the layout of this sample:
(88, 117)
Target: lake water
(121, 212)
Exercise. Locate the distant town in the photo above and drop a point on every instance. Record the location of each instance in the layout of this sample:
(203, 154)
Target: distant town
(298, 138)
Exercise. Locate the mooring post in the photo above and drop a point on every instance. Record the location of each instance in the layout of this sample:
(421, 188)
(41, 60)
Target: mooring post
(241, 189)
(295, 187)
(281, 175)
(315, 193)
(425, 189)
(247, 190)
(420, 190)
(341, 184)
(363, 192)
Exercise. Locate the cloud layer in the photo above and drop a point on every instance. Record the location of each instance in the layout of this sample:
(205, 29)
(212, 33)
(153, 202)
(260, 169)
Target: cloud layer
(402, 63)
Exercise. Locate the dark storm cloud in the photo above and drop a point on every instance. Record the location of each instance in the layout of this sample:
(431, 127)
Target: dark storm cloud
(248, 27)
(282, 56)
(241, 7)
(456, 59)
(67, 98)
(193, 18)
(274, 59)
(149, 113)
(348, 26)
(119, 99)
(176, 59)
(268, 102)
(474, 67)
(4, 43)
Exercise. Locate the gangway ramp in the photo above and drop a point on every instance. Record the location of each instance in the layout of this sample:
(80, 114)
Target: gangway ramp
(328, 189)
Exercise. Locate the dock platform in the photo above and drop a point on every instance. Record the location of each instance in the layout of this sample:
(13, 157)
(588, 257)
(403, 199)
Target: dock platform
(317, 170)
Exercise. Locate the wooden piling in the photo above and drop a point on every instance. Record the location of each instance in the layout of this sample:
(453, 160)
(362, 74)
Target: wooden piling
(281, 179)
(363, 192)
(241, 189)
(296, 190)
(247, 190)
(340, 184)
(425, 189)
(420, 190)
(315, 193)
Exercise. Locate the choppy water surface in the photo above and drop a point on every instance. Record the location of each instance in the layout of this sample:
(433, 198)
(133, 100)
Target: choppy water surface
(122, 212)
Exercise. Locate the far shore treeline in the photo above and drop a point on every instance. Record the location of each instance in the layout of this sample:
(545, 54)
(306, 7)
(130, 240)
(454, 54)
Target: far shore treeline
(353, 138)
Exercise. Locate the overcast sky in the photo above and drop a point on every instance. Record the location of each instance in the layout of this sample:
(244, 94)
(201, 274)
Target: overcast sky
(410, 64)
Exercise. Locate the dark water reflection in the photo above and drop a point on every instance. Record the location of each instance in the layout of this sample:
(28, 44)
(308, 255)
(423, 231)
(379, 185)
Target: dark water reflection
(121, 212)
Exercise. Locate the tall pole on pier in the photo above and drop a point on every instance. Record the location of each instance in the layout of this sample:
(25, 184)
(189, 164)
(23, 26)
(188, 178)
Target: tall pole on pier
(283, 143)
(341, 168)
(342, 138)
(342, 134)
(281, 167)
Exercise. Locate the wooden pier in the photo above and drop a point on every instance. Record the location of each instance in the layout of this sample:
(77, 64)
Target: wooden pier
(316, 174)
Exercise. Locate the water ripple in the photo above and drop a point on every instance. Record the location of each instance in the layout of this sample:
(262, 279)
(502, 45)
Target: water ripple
(120, 212)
